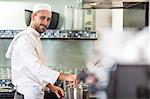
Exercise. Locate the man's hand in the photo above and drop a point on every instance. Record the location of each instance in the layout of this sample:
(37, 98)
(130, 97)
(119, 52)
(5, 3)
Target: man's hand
(68, 77)
(71, 78)
(57, 90)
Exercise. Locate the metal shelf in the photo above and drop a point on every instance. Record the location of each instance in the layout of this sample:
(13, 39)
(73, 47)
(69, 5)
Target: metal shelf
(56, 34)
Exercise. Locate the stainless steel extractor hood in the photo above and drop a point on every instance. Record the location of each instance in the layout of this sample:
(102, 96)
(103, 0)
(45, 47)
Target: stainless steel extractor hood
(96, 4)
(110, 4)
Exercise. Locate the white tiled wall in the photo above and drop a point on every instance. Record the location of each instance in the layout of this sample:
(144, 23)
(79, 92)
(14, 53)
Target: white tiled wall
(12, 11)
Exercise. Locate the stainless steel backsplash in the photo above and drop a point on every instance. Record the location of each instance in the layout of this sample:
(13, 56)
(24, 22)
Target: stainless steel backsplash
(4, 43)
(61, 54)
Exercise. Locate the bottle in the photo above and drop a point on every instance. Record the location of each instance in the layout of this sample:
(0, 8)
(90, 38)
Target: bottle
(68, 17)
(78, 19)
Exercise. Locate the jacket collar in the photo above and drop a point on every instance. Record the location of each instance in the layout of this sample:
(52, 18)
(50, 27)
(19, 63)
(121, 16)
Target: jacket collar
(37, 34)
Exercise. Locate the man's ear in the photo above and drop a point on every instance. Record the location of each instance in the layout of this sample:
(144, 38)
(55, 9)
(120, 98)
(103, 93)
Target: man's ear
(32, 16)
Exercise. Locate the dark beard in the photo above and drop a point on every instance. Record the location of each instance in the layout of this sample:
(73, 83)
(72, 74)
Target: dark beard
(40, 32)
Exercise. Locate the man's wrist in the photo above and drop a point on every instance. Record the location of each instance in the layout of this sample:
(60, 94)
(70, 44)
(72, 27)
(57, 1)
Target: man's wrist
(49, 85)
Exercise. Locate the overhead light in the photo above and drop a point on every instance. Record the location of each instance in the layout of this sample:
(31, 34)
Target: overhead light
(93, 4)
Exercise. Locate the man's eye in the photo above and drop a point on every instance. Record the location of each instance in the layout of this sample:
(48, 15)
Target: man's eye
(42, 17)
(48, 19)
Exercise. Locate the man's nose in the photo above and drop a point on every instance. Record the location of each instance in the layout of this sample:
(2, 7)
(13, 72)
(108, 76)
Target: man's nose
(45, 22)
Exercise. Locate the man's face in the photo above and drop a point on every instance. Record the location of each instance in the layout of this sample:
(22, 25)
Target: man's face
(41, 20)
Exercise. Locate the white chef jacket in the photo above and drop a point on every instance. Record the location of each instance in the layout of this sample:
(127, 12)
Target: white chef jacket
(29, 68)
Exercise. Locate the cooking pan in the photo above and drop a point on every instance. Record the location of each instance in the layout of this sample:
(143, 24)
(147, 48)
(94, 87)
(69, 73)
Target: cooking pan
(77, 91)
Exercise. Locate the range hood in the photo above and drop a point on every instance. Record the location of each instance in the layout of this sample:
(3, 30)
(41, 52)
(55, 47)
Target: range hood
(108, 4)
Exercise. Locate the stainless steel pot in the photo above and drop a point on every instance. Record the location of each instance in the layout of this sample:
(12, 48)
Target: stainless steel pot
(77, 91)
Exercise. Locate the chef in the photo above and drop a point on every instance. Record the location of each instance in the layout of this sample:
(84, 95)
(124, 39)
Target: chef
(30, 72)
